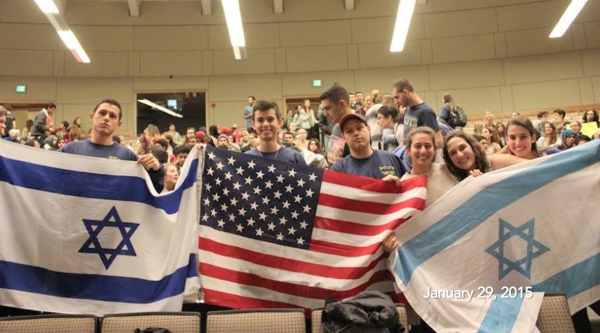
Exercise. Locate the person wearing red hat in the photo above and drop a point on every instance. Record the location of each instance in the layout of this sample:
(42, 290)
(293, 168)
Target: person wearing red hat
(201, 136)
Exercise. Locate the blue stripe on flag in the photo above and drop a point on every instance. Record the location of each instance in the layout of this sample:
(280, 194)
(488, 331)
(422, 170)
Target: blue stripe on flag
(501, 315)
(573, 280)
(91, 185)
(94, 287)
(486, 203)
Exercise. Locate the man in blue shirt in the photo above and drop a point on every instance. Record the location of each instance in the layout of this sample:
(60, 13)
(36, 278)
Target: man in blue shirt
(106, 118)
(363, 160)
(417, 112)
(267, 123)
(248, 114)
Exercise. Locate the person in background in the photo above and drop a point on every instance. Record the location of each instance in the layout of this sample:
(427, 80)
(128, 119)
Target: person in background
(315, 146)
(477, 128)
(50, 143)
(392, 131)
(41, 129)
(171, 177)
(13, 135)
(542, 117)
(33, 143)
(491, 136)
(501, 133)
(447, 108)
(181, 153)
(575, 126)
(248, 114)
(417, 112)
(10, 121)
(122, 142)
(591, 116)
(288, 138)
(358, 101)
(173, 133)
(559, 120)
(236, 133)
(26, 132)
(489, 119)
(75, 131)
(3, 117)
(550, 138)
(61, 143)
(190, 133)
(482, 142)
(568, 140)
(582, 139)
(301, 142)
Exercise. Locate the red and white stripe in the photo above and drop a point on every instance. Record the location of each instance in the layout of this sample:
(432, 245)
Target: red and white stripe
(353, 217)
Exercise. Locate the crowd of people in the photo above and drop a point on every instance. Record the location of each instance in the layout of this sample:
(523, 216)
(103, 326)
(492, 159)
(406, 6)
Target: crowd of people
(390, 137)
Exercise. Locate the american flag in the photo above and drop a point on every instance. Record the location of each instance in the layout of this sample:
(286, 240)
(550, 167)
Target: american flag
(274, 234)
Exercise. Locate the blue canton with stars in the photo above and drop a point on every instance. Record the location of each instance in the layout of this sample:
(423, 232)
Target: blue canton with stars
(534, 248)
(259, 198)
(111, 220)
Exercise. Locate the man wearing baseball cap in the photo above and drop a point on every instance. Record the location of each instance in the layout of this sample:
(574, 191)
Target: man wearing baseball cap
(363, 160)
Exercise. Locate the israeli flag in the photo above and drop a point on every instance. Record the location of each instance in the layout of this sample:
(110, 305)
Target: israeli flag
(480, 258)
(88, 235)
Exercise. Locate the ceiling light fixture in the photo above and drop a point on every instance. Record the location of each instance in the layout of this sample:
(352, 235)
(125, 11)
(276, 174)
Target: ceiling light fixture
(47, 6)
(567, 18)
(160, 108)
(233, 17)
(71, 42)
(405, 13)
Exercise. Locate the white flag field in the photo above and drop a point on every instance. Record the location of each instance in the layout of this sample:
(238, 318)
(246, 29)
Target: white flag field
(89, 235)
(507, 237)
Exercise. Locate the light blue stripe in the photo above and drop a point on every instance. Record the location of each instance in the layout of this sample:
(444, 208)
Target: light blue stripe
(574, 280)
(501, 315)
(487, 202)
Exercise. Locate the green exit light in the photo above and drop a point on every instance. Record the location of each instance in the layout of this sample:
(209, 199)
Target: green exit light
(316, 83)
(21, 89)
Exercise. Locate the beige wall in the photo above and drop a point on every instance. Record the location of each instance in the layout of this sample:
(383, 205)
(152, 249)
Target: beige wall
(491, 55)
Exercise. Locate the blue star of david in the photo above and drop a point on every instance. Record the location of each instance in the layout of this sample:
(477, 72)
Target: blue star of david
(111, 220)
(534, 248)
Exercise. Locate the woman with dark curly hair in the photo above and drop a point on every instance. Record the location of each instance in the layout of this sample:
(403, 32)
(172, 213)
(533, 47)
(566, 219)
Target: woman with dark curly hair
(464, 157)
(591, 116)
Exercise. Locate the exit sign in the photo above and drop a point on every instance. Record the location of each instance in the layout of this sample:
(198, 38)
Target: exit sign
(316, 83)
(21, 89)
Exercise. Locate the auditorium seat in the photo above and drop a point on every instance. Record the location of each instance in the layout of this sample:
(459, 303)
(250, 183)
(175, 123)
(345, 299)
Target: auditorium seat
(317, 327)
(263, 321)
(555, 316)
(49, 323)
(176, 322)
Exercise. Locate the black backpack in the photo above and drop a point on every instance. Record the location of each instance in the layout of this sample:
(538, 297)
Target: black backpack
(368, 312)
(152, 330)
(457, 117)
